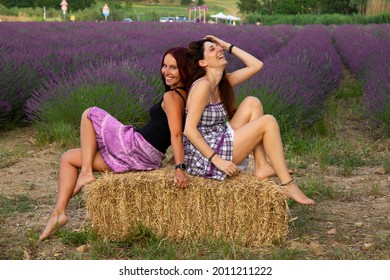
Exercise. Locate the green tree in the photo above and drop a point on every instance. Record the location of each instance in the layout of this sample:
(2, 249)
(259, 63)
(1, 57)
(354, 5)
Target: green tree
(358, 5)
(292, 7)
(337, 6)
(248, 6)
(79, 4)
(287, 7)
(128, 5)
(17, 3)
(55, 4)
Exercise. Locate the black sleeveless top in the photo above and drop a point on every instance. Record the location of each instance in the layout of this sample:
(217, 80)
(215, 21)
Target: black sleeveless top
(156, 131)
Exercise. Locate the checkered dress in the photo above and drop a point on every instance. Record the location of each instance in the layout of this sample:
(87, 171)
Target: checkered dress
(213, 128)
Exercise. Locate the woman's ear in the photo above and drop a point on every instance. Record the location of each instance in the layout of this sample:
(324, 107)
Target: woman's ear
(202, 63)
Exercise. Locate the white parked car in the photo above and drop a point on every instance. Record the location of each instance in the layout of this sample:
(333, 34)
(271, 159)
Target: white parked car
(167, 19)
(181, 19)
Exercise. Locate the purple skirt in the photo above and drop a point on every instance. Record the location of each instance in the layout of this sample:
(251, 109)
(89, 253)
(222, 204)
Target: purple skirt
(121, 146)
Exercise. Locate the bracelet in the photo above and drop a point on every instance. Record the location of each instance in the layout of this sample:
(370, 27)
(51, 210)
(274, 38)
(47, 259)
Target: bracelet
(230, 48)
(287, 183)
(212, 155)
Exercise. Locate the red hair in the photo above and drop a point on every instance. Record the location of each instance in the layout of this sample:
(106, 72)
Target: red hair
(180, 55)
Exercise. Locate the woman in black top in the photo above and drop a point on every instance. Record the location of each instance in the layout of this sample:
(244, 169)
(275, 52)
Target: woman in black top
(108, 145)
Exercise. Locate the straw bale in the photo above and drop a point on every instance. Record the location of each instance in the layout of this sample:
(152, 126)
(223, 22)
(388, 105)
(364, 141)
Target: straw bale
(241, 209)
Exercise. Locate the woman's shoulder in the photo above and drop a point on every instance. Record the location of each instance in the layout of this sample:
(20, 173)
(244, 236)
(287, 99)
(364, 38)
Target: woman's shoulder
(202, 84)
(178, 94)
(201, 81)
(200, 91)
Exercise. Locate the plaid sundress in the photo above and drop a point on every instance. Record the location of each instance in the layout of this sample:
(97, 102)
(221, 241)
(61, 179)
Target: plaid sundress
(214, 130)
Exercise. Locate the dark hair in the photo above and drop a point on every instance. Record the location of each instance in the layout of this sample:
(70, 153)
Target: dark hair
(180, 55)
(195, 53)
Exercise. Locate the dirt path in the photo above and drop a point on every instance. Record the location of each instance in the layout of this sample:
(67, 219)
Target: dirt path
(29, 180)
(352, 224)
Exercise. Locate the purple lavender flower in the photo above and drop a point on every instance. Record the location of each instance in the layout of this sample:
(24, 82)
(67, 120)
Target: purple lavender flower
(118, 87)
(296, 81)
(36, 54)
(365, 51)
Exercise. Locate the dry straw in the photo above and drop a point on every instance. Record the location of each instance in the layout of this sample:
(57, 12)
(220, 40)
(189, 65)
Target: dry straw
(240, 209)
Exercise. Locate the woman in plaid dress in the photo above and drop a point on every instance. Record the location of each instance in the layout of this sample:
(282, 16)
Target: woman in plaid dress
(218, 137)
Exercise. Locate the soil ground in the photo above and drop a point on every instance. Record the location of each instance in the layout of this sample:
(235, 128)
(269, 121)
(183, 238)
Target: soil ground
(353, 224)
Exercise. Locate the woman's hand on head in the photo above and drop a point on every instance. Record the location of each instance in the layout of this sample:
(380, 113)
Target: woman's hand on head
(218, 41)
(226, 166)
(181, 179)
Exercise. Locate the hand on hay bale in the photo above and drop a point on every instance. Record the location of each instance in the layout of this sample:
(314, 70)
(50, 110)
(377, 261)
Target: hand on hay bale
(241, 209)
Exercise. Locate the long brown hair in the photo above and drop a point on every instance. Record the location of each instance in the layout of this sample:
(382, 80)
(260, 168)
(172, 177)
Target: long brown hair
(180, 55)
(195, 53)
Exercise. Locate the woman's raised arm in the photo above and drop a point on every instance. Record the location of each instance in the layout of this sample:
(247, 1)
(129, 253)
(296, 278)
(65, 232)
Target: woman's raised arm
(252, 64)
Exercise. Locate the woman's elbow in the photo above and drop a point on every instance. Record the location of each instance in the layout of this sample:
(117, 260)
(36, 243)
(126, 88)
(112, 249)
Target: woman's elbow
(176, 137)
(188, 132)
(185, 132)
(259, 66)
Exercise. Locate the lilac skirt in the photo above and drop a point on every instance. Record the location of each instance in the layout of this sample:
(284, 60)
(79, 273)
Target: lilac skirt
(121, 146)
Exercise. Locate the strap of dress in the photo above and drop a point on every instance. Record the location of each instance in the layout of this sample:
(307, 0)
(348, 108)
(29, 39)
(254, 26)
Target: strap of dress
(201, 78)
(178, 92)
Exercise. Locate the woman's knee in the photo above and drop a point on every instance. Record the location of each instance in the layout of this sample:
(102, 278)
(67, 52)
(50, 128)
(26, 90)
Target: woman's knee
(70, 156)
(254, 103)
(85, 113)
(67, 155)
(270, 120)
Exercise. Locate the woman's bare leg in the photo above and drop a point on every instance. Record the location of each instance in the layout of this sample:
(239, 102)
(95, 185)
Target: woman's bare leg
(266, 129)
(68, 174)
(88, 146)
(249, 110)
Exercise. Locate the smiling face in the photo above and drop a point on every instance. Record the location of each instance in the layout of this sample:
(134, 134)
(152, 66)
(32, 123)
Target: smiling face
(213, 55)
(170, 72)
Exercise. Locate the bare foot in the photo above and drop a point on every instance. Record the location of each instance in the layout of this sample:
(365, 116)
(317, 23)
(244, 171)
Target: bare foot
(266, 170)
(82, 180)
(293, 192)
(56, 221)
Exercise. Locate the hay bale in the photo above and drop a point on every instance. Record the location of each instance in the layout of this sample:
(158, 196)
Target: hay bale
(240, 209)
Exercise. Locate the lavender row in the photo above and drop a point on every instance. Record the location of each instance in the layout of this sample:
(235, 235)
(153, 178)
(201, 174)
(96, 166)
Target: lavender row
(116, 86)
(366, 52)
(296, 81)
(36, 54)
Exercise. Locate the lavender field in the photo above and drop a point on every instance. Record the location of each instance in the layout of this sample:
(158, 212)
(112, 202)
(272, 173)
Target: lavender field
(328, 86)
(48, 68)
(365, 52)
